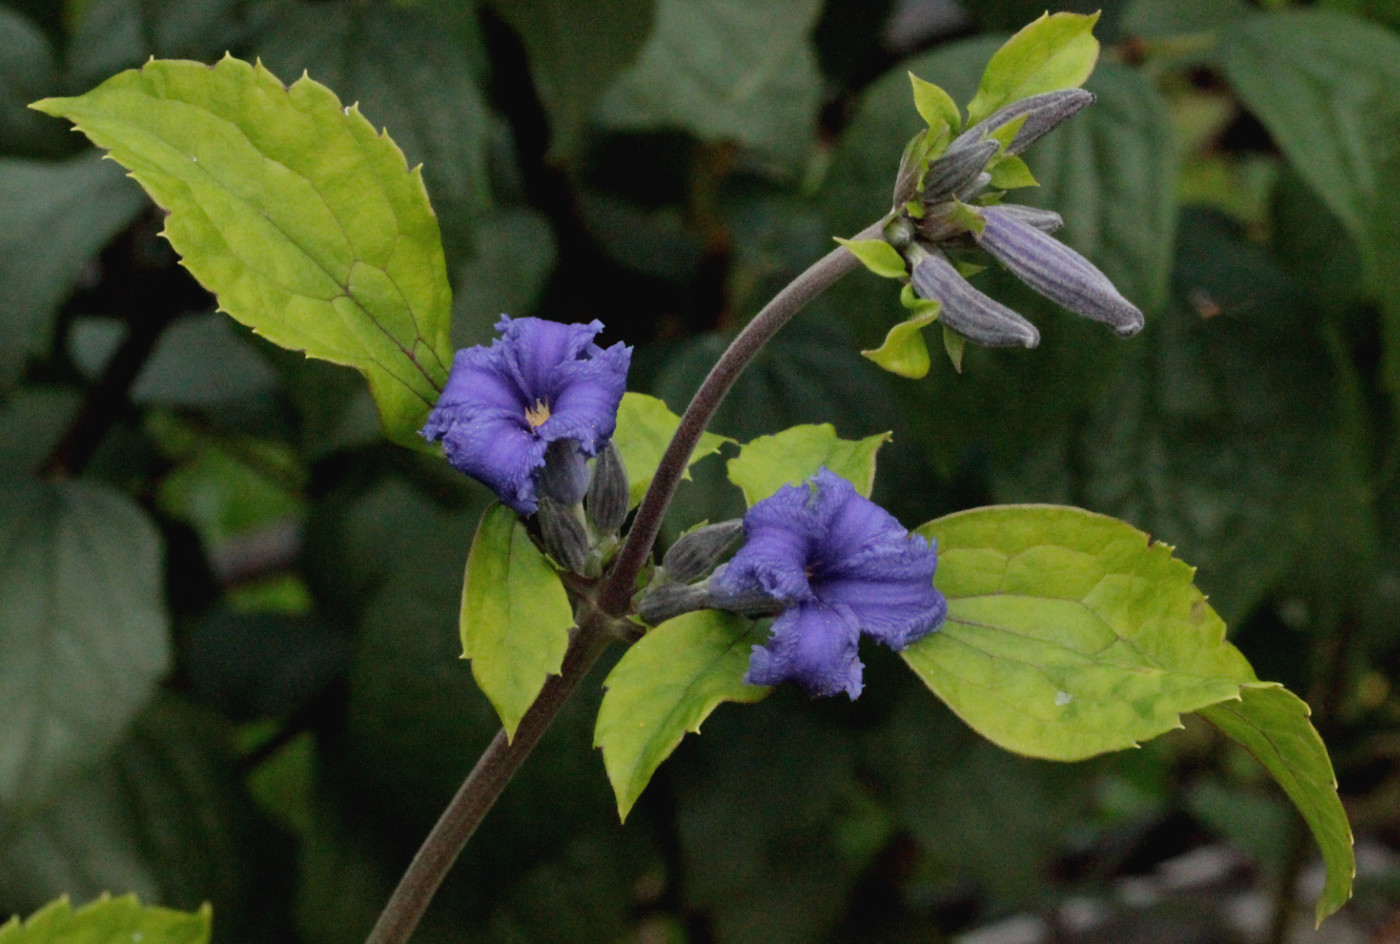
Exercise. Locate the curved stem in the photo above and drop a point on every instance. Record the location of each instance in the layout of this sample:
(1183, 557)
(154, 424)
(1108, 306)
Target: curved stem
(502, 759)
(616, 592)
(483, 785)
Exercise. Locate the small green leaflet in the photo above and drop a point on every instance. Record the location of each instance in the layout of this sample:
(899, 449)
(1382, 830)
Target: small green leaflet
(934, 105)
(904, 351)
(878, 256)
(307, 225)
(954, 344)
(1055, 52)
(1010, 172)
(1272, 724)
(644, 428)
(794, 455)
(108, 921)
(667, 684)
(515, 615)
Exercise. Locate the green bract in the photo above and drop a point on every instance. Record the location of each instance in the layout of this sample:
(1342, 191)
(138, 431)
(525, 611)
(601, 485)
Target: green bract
(666, 685)
(1070, 634)
(308, 225)
(515, 615)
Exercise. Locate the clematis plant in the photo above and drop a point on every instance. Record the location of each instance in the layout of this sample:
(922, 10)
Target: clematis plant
(1052, 631)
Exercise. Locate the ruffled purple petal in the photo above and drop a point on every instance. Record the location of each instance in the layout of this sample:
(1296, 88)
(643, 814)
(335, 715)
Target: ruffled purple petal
(587, 393)
(478, 380)
(813, 645)
(779, 533)
(535, 348)
(493, 448)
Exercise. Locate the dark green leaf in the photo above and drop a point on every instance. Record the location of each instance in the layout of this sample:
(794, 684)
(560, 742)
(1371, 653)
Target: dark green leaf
(83, 627)
(112, 35)
(27, 72)
(57, 216)
(163, 816)
(665, 686)
(1327, 86)
(409, 76)
(574, 52)
(200, 361)
(1229, 433)
(1272, 724)
(513, 256)
(726, 70)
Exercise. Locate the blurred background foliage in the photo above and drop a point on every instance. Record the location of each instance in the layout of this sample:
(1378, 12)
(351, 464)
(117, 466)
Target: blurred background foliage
(229, 666)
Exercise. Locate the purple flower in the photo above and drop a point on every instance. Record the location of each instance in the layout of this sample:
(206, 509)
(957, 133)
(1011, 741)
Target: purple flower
(542, 391)
(839, 565)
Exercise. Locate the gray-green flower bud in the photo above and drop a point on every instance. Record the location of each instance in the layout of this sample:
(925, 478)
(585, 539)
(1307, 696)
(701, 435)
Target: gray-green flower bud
(1044, 112)
(608, 492)
(1047, 221)
(1056, 271)
(670, 600)
(956, 170)
(696, 553)
(967, 311)
(564, 536)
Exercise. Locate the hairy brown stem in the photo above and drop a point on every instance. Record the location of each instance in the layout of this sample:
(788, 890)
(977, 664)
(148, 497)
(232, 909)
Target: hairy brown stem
(478, 793)
(597, 626)
(617, 589)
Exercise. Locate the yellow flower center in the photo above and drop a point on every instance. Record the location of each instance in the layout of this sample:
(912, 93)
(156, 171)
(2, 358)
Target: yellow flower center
(537, 414)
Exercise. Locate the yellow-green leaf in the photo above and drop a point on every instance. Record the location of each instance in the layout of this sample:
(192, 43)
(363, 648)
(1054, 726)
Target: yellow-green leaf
(904, 352)
(1057, 51)
(667, 684)
(934, 105)
(794, 455)
(515, 615)
(878, 256)
(305, 222)
(645, 426)
(108, 920)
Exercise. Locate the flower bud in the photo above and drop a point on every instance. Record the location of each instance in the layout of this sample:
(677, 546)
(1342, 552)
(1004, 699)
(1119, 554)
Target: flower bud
(608, 492)
(564, 537)
(1044, 112)
(1056, 271)
(564, 477)
(695, 553)
(1047, 221)
(670, 600)
(955, 170)
(967, 311)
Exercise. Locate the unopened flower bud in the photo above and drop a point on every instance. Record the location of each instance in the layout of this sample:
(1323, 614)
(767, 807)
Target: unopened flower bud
(695, 553)
(564, 536)
(564, 477)
(608, 492)
(670, 600)
(1047, 221)
(967, 311)
(1056, 271)
(1044, 112)
(955, 170)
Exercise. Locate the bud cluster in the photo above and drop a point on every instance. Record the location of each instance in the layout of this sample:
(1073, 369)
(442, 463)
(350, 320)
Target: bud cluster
(942, 203)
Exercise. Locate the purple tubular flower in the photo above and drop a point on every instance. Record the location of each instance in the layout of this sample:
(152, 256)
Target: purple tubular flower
(839, 565)
(980, 319)
(1056, 271)
(540, 383)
